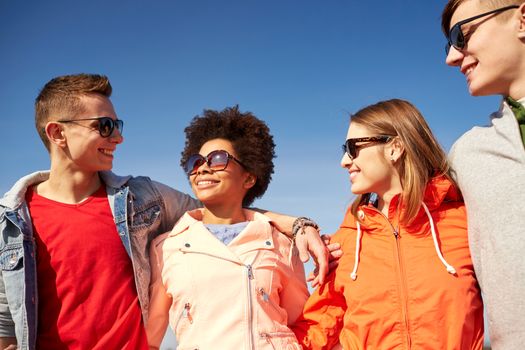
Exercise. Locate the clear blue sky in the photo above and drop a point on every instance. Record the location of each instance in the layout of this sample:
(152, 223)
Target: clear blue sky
(302, 66)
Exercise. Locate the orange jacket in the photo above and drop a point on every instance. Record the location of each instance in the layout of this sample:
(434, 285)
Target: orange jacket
(403, 297)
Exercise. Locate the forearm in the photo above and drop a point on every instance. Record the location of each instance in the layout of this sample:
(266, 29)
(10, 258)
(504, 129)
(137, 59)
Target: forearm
(282, 222)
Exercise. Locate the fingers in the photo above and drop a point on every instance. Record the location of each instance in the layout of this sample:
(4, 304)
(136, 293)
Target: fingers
(315, 283)
(302, 247)
(308, 243)
(312, 275)
(335, 251)
(323, 268)
(326, 239)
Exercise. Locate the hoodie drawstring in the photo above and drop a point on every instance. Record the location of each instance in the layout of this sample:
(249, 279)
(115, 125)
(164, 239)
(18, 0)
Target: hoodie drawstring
(450, 268)
(353, 275)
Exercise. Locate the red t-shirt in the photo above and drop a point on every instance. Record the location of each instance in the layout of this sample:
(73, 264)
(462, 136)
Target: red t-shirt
(86, 289)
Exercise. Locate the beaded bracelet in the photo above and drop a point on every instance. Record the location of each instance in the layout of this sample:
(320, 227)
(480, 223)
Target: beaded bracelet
(300, 223)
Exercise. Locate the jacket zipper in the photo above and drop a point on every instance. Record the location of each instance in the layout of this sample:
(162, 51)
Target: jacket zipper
(185, 313)
(266, 299)
(249, 273)
(268, 336)
(402, 278)
(250, 277)
(404, 288)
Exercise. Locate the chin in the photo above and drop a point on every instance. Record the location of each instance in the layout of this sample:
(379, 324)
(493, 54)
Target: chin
(485, 90)
(357, 191)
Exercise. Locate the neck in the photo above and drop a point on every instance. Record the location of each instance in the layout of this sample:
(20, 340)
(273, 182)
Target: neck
(67, 185)
(384, 202)
(386, 196)
(517, 90)
(223, 215)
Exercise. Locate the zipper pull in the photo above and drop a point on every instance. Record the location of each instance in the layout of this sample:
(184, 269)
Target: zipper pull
(396, 234)
(250, 272)
(186, 312)
(265, 296)
(266, 336)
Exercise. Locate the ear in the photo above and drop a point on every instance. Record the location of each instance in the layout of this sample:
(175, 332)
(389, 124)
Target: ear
(394, 151)
(250, 181)
(55, 134)
(521, 11)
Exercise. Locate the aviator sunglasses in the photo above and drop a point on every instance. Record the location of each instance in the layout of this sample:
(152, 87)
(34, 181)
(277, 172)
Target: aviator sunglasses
(351, 148)
(105, 125)
(216, 160)
(456, 37)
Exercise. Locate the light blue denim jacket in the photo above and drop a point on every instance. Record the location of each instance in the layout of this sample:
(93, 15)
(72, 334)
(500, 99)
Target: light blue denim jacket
(142, 209)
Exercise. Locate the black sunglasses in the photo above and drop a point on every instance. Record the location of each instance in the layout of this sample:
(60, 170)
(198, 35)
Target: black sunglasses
(351, 148)
(217, 160)
(105, 125)
(456, 37)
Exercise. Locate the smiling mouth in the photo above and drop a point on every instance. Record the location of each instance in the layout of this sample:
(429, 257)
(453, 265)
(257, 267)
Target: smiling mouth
(106, 152)
(206, 182)
(469, 69)
(353, 174)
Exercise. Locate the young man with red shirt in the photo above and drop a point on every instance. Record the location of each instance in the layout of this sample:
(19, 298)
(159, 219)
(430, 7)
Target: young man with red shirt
(74, 240)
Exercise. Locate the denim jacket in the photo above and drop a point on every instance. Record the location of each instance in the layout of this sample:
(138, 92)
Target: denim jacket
(142, 209)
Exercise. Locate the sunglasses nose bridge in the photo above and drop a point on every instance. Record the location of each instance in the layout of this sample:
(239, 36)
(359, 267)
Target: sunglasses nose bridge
(346, 160)
(204, 167)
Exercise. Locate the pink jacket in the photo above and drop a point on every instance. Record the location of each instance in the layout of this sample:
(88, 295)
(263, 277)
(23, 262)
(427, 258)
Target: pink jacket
(239, 296)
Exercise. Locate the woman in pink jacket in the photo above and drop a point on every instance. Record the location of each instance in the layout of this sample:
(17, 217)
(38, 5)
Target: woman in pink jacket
(225, 277)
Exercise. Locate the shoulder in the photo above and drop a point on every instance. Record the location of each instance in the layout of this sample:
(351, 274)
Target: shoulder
(16, 195)
(475, 137)
(347, 227)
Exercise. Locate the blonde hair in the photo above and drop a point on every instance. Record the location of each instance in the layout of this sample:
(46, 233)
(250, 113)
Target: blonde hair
(452, 6)
(60, 98)
(422, 159)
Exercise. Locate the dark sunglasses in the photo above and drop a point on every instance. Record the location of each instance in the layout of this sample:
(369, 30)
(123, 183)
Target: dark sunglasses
(216, 160)
(456, 37)
(351, 148)
(105, 125)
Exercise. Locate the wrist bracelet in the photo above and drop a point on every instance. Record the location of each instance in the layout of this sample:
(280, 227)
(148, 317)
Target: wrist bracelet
(300, 223)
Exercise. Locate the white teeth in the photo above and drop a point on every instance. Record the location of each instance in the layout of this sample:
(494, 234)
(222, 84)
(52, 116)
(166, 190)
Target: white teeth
(106, 152)
(207, 182)
(469, 70)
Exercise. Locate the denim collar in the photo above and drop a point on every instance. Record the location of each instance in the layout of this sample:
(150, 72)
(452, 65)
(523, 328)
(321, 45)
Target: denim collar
(16, 195)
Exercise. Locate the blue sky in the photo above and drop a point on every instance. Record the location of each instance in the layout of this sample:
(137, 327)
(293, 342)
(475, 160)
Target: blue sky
(302, 66)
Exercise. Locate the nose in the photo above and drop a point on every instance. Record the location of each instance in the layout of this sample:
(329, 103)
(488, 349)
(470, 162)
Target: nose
(346, 161)
(454, 57)
(116, 136)
(204, 169)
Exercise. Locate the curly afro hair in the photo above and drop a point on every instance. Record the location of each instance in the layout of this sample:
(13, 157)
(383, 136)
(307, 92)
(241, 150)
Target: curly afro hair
(250, 138)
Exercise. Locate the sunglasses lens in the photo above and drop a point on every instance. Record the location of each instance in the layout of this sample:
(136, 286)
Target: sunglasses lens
(350, 148)
(218, 160)
(105, 126)
(119, 124)
(456, 37)
(193, 163)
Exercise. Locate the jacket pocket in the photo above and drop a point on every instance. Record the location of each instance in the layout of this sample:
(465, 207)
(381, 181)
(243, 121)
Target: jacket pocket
(184, 320)
(281, 340)
(11, 259)
(145, 217)
(267, 300)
